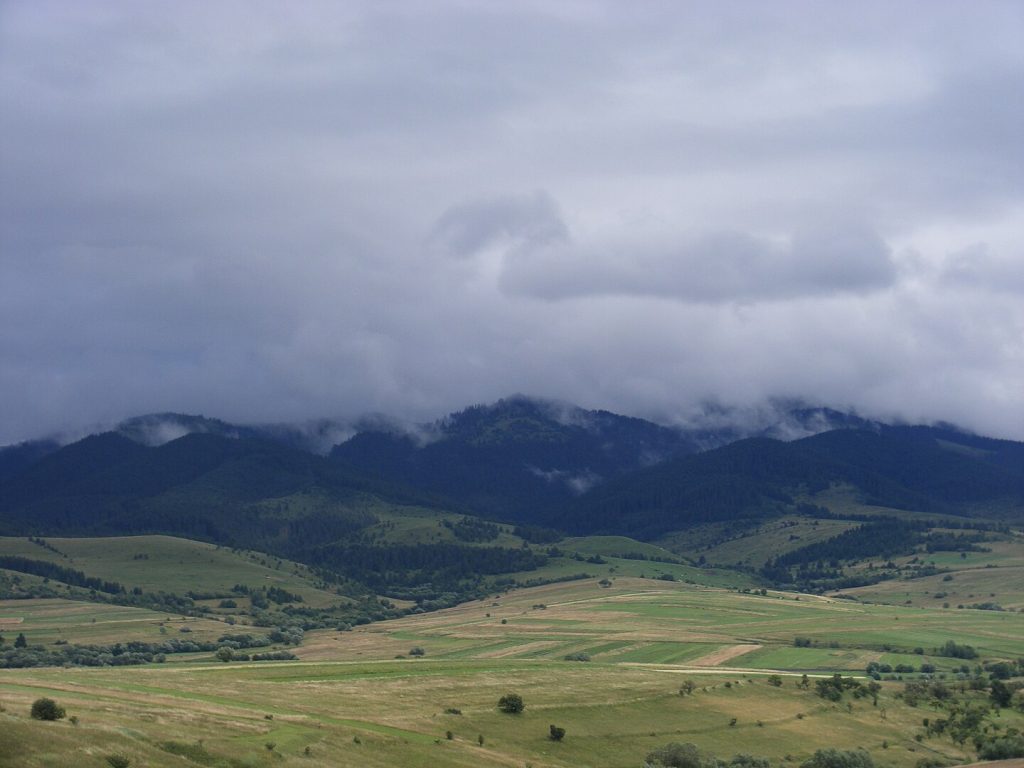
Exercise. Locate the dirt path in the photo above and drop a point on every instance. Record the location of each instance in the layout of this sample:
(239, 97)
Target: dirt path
(723, 655)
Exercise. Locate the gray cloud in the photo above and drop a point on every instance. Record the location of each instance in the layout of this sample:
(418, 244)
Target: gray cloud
(267, 212)
(721, 266)
(515, 222)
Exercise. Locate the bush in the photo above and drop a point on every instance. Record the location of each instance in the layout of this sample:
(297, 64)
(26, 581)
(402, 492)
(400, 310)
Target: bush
(511, 703)
(47, 709)
(118, 761)
(417, 651)
(677, 755)
(577, 656)
(1002, 748)
(954, 651)
(556, 733)
(839, 758)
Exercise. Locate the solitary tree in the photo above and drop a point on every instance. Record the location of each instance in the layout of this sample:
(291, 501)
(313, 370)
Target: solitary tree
(20, 641)
(47, 709)
(556, 733)
(512, 703)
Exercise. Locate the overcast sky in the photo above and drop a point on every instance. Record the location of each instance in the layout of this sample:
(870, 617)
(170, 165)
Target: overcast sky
(274, 211)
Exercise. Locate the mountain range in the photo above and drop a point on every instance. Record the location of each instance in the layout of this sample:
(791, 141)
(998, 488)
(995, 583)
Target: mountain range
(519, 461)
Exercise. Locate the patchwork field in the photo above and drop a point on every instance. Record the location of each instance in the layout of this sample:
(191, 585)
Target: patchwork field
(50, 621)
(995, 578)
(351, 702)
(634, 617)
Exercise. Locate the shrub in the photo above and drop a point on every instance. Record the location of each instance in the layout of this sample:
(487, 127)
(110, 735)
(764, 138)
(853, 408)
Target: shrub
(118, 761)
(417, 651)
(1002, 748)
(577, 656)
(952, 650)
(556, 733)
(839, 758)
(676, 755)
(46, 709)
(511, 703)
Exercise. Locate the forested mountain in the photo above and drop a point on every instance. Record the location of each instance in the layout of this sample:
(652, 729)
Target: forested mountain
(16, 458)
(913, 468)
(203, 485)
(519, 459)
(946, 465)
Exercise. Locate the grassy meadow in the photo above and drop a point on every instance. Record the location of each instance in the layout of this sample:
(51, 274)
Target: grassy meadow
(169, 564)
(47, 621)
(358, 698)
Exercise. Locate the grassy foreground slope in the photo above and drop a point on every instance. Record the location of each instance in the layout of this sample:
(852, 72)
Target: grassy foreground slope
(352, 703)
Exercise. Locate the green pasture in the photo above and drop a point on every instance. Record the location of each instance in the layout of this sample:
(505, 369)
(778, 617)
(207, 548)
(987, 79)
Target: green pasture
(614, 545)
(613, 567)
(353, 703)
(47, 621)
(394, 713)
(674, 623)
(755, 545)
(170, 564)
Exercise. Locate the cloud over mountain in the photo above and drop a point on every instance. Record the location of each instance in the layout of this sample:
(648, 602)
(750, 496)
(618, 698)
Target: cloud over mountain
(283, 212)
